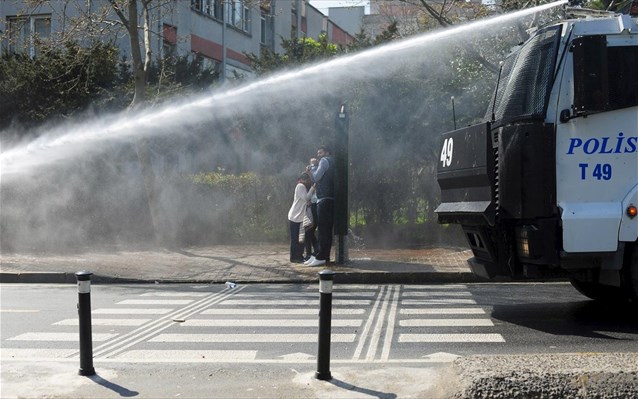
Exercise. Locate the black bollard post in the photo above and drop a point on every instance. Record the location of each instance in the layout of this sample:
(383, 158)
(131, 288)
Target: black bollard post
(325, 324)
(84, 314)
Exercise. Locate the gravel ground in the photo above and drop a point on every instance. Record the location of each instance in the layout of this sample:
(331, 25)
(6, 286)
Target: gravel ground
(581, 375)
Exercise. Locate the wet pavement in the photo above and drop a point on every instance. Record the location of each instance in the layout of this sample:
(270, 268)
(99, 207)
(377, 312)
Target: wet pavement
(258, 263)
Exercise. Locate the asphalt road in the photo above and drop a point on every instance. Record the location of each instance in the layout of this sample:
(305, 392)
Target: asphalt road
(260, 339)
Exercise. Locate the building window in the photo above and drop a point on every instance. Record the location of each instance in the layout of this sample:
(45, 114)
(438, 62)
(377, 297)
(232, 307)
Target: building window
(238, 14)
(266, 34)
(212, 8)
(219, 9)
(27, 34)
(208, 7)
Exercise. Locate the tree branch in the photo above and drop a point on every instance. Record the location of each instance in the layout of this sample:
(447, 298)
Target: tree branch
(119, 12)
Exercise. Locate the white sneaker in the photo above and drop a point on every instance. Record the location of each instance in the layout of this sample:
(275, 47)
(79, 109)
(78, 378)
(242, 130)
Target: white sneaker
(317, 262)
(310, 260)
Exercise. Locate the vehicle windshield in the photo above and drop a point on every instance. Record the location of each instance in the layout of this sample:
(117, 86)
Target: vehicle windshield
(526, 78)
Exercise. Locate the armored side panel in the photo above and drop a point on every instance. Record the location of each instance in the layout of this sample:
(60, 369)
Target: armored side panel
(466, 177)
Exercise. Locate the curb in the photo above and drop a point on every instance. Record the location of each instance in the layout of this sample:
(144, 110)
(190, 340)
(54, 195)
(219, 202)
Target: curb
(340, 278)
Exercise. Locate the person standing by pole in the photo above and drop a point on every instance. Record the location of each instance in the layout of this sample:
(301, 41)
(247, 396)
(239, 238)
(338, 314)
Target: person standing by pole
(312, 248)
(303, 192)
(323, 177)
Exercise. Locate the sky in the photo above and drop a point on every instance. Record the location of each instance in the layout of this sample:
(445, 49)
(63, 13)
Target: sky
(323, 5)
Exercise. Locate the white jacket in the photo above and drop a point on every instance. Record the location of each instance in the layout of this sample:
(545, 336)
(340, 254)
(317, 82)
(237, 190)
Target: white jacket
(298, 208)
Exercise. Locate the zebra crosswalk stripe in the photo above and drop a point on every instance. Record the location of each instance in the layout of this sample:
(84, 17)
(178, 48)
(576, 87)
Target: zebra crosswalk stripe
(34, 353)
(293, 302)
(131, 311)
(279, 311)
(441, 311)
(104, 322)
(451, 338)
(446, 323)
(253, 338)
(438, 301)
(268, 323)
(187, 355)
(59, 337)
(155, 302)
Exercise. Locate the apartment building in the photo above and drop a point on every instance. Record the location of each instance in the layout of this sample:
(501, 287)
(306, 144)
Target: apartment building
(222, 31)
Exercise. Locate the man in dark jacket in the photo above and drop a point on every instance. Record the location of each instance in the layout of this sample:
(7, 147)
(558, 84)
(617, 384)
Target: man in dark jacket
(323, 176)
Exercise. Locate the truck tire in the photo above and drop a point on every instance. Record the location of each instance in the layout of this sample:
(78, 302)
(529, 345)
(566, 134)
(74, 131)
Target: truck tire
(599, 292)
(631, 274)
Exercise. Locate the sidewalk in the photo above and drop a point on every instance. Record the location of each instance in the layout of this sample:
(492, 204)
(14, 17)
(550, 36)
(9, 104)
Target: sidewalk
(239, 264)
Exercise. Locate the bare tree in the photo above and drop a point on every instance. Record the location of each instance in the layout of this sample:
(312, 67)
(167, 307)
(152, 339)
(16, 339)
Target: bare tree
(130, 16)
(128, 12)
(427, 14)
(133, 18)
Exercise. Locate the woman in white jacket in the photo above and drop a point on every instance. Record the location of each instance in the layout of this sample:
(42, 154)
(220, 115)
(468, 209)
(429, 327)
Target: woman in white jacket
(303, 193)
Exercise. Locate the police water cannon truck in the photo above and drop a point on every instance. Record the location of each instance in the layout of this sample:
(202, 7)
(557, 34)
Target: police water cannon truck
(549, 182)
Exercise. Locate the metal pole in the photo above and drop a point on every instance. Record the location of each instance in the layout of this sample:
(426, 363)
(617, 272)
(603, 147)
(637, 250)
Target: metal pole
(341, 213)
(341, 249)
(453, 113)
(84, 314)
(325, 324)
(273, 34)
(223, 74)
(298, 5)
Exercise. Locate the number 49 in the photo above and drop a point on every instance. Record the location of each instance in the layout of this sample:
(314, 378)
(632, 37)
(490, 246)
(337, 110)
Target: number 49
(446, 152)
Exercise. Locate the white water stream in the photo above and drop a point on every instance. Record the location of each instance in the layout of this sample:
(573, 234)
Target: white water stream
(66, 141)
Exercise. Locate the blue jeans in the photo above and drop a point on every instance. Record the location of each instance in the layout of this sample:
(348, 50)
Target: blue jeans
(296, 249)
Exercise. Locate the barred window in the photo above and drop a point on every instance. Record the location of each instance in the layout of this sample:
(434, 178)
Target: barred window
(527, 77)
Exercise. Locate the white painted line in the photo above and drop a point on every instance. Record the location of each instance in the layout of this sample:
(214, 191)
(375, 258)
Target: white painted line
(351, 287)
(104, 322)
(408, 288)
(292, 302)
(187, 356)
(267, 323)
(67, 337)
(443, 311)
(389, 333)
(254, 338)
(368, 326)
(155, 302)
(280, 311)
(28, 353)
(438, 301)
(435, 293)
(175, 294)
(446, 323)
(19, 310)
(451, 338)
(131, 311)
(301, 295)
(376, 333)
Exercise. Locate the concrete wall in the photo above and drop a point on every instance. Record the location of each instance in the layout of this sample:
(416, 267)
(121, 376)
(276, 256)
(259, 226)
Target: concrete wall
(349, 19)
(314, 22)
